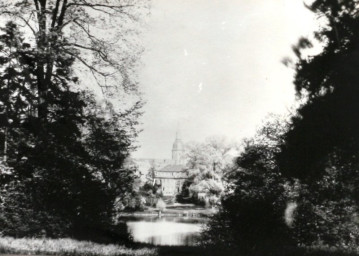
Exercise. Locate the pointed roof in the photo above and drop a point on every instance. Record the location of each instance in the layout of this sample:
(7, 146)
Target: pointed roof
(177, 145)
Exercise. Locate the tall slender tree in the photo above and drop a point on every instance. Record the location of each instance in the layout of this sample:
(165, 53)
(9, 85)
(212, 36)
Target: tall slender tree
(98, 35)
(74, 158)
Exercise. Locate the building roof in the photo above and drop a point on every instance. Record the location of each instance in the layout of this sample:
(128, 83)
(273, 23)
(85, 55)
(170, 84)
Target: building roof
(173, 168)
(172, 172)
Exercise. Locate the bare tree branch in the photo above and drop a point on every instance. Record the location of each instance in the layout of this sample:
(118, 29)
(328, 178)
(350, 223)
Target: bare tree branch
(91, 67)
(62, 14)
(37, 5)
(114, 7)
(19, 16)
(54, 14)
(101, 55)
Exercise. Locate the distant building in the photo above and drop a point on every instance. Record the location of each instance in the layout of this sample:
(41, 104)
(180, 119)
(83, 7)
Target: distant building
(177, 150)
(168, 173)
(170, 178)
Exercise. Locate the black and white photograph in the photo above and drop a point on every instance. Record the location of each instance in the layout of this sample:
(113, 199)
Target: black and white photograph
(179, 127)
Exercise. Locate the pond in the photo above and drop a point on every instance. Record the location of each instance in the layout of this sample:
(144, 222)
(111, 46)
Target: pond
(165, 230)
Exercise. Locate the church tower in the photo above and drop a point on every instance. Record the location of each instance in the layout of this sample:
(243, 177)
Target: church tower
(177, 150)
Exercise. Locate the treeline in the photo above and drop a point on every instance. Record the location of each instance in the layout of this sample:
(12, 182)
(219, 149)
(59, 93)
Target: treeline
(63, 171)
(206, 166)
(296, 183)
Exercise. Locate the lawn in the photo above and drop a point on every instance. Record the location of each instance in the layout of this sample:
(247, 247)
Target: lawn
(68, 247)
(71, 247)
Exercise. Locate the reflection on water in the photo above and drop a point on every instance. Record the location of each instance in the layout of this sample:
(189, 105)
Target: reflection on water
(165, 231)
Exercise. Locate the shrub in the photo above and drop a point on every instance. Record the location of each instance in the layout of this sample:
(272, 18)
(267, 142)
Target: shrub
(161, 205)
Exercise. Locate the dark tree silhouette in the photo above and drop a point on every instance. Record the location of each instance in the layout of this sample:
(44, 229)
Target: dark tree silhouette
(321, 148)
(68, 170)
(251, 218)
(324, 130)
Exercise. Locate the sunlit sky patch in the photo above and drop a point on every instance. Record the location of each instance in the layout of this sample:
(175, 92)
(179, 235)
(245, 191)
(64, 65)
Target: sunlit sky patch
(215, 68)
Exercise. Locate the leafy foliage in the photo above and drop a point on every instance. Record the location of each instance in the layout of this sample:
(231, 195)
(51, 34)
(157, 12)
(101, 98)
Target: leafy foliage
(251, 217)
(73, 155)
(72, 28)
(325, 127)
(206, 164)
(321, 147)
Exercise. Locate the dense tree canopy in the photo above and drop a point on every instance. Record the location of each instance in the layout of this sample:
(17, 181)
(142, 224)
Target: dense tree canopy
(73, 156)
(206, 164)
(325, 127)
(321, 148)
(97, 35)
(297, 182)
(251, 215)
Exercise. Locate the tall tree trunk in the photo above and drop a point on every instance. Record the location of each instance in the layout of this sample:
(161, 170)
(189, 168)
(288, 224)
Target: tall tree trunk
(5, 145)
(42, 56)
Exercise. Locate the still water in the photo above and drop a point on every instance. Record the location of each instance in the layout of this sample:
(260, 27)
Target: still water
(165, 230)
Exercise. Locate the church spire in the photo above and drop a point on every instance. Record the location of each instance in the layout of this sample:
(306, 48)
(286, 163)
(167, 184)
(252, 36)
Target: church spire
(177, 149)
(178, 135)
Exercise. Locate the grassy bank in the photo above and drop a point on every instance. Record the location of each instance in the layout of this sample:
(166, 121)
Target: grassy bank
(68, 247)
(197, 251)
(71, 247)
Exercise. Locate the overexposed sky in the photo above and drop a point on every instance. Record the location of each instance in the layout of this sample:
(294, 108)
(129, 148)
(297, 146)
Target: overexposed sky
(214, 67)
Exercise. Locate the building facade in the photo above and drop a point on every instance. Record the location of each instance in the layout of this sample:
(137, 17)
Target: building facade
(169, 174)
(170, 178)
